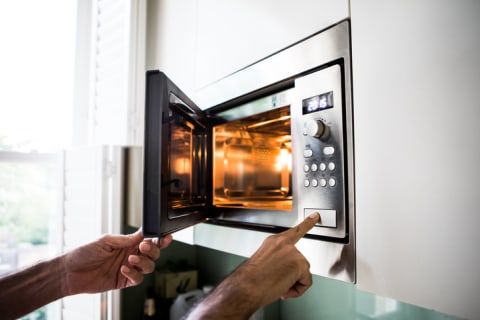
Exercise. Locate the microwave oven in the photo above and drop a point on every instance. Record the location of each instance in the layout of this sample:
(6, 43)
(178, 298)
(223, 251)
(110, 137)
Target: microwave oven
(260, 149)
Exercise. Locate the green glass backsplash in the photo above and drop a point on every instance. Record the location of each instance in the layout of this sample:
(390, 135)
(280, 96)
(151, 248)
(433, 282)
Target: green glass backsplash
(332, 299)
(326, 298)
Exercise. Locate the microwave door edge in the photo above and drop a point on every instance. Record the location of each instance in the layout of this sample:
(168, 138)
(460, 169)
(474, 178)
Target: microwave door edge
(176, 167)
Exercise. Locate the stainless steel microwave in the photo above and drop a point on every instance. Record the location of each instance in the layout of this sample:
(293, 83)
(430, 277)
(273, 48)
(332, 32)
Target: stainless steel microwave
(260, 149)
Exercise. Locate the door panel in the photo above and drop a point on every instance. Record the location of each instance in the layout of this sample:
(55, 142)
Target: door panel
(177, 183)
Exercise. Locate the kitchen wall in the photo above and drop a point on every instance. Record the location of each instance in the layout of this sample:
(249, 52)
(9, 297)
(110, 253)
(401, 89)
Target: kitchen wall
(415, 77)
(415, 66)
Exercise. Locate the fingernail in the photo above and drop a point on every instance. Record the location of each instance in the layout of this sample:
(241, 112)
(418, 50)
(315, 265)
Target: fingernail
(133, 259)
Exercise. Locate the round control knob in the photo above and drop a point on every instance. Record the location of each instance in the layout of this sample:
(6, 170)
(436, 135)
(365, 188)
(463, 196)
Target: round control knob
(316, 128)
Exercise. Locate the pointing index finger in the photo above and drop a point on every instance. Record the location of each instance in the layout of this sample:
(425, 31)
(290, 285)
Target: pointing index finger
(297, 232)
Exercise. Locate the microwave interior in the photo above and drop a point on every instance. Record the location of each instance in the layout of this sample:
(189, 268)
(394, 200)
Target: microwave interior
(252, 164)
(270, 169)
(252, 160)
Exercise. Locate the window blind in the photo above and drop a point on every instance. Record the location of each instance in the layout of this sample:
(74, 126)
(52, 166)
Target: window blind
(110, 66)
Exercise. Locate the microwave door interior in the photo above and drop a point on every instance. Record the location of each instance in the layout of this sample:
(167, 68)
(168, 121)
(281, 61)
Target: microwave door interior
(177, 170)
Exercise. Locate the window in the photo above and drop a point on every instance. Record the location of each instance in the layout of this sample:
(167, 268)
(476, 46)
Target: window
(36, 83)
(29, 215)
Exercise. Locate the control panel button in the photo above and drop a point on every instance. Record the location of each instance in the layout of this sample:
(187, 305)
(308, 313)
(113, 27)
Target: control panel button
(308, 153)
(306, 168)
(314, 183)
(331, 166)
(323, 182)
(328, 151)
(332, 182)
(314, 167)
(306, 183)
(323, 166)
(328, 218)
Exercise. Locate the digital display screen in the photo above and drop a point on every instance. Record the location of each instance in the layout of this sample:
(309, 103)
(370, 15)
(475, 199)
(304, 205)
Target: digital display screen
(318, 103)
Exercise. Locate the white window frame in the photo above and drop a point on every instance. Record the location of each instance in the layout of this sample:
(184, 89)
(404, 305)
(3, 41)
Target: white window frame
(88, 124)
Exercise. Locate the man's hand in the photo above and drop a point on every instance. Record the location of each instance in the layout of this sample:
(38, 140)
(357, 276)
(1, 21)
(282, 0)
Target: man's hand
(111, 262)
(276, 270)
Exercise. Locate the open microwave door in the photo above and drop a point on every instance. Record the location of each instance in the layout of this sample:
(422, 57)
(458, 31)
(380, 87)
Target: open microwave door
(177, 174)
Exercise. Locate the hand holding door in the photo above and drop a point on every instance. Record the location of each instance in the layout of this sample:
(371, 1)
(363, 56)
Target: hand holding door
(110, 262)
(276, 270)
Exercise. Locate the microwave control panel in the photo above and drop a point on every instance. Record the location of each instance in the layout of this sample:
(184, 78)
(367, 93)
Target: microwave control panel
(318, 140)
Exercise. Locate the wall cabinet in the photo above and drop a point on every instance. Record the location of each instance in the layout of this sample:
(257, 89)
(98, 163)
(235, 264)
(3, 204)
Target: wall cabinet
(171, 40)
(416, 103)
(199, 42)
(234, 34)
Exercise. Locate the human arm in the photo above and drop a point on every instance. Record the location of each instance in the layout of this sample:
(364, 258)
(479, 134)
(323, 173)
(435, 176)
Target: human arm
(111, 262)
(276, 270)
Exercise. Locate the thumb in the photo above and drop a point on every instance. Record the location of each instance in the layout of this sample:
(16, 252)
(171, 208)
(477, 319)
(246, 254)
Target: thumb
(136, 237)
(122, 241)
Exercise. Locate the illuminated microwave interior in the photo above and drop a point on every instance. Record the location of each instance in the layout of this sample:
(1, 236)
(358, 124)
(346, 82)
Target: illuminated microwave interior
(253, 162)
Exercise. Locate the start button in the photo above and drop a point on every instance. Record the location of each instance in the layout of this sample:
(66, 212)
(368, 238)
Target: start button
(328, 218)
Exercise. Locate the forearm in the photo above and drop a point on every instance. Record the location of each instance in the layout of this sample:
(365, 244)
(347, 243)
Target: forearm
(235, 298)
(32, 288)
(276, 270)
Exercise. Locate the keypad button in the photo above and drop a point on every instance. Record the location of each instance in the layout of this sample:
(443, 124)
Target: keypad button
(323, 166)
(308, 153)
(323, 182)
(306, 183)
(332, 182)
(331, 166)
(306, 168)
(328, 151)
(314, 183)
(314, 167)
